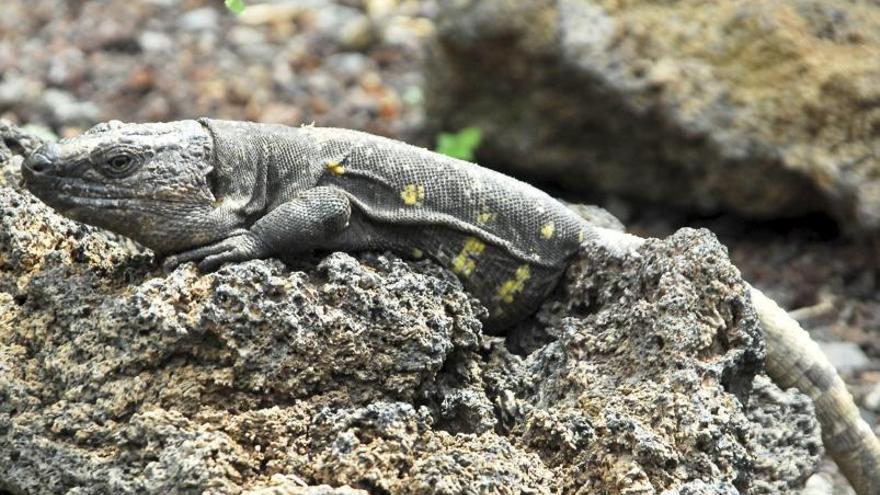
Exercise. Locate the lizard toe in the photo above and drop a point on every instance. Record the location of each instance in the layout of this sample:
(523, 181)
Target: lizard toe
(175, 260)
(201, 254)
(213, 262)
(239, 248)
(170, 263)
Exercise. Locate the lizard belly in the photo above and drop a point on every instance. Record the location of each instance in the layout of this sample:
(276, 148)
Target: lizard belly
(510, 289)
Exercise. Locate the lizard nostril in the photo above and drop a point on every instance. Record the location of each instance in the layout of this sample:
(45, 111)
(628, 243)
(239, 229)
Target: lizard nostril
(42, 159)
(38, 163)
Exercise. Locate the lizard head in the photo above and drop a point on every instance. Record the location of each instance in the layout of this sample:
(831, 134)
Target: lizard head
(149, 182)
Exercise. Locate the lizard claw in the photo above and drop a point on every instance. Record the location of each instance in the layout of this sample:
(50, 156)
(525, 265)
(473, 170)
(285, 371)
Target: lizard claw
(240, 247)
(171, 263)
(197, 254)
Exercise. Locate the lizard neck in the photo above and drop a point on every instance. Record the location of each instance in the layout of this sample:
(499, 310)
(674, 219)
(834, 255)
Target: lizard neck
(257, 166)
(239, 175)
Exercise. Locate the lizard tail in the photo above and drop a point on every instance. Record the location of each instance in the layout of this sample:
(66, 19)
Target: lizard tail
(795, 360)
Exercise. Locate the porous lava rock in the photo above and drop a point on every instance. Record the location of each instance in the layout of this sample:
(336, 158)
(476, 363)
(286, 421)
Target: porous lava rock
(362, 373)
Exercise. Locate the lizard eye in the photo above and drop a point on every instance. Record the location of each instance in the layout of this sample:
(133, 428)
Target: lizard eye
(120, 164)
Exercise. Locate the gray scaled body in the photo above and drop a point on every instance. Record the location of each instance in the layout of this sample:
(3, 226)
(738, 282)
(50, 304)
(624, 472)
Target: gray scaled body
(216, 191)
(337, 189)
(213, 192)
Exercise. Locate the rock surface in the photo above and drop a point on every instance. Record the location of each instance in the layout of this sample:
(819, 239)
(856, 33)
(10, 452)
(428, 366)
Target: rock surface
(372, 373)
(764, 108)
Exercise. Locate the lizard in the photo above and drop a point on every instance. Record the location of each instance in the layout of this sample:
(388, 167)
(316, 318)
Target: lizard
(211, 192)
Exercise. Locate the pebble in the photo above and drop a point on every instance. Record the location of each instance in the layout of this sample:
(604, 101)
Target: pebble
(356, 34)
(845, 356)
(818, 484)
(155, 42)
(203, 19)
(66, 110)
(350, 66)
(282, 61)
(12, 90)
(243, 35)
(66, 68)
(267, 13)
(871, 400)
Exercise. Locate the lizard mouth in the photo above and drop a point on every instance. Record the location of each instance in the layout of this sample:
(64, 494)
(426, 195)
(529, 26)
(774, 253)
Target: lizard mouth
(64, 192)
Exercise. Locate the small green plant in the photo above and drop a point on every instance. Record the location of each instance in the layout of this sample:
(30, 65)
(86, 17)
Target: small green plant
(460, 144)
(40, 131)
(236, 6)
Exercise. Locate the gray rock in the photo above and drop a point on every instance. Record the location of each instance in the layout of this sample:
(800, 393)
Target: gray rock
(773, 440)
(759, 108)
(369, 372)
(818, 485)
(66, 67)
(871, 400)
(350, 66)
(13, 89)
(201, 19)
(633, 340)
(282, 485)
(155, 42)
(845, 356)
(597, 216)
(65, 109)
(700, 487)
(356, 34)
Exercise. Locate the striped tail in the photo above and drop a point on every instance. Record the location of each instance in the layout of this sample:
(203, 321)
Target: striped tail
(795, 360)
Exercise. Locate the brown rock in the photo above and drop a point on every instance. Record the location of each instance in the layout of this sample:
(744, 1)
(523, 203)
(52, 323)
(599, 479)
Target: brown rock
(764, 108)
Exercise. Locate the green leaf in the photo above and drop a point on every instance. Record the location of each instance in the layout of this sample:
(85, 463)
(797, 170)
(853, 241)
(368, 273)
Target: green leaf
(460, 144)
(41, 132)
(236, 6)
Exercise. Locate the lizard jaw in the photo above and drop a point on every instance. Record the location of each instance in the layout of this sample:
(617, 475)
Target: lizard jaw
(63, 193)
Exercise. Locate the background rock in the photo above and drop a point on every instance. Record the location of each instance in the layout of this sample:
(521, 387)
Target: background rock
(68, 65)
(767, 109)
(372, 373)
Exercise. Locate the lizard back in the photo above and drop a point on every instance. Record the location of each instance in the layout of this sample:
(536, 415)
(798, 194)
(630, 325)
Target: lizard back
(507, 241)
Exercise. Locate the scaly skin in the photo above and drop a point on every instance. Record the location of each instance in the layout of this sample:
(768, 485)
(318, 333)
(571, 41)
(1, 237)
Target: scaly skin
(214, 192)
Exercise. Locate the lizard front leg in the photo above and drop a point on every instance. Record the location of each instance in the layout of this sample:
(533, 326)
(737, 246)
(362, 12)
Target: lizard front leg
(299, 225)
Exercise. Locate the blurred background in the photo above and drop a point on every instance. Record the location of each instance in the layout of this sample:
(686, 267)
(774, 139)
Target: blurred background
(757, 119)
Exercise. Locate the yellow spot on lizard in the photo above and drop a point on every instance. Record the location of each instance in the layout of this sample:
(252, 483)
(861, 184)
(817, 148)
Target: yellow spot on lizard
(485, 217)
(417, 253)
(464, 263)
(335, 168)
(413, 194)
(515, 285)
(547, 230)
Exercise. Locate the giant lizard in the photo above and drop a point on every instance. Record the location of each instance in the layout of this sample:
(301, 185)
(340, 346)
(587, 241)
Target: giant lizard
(213, 191)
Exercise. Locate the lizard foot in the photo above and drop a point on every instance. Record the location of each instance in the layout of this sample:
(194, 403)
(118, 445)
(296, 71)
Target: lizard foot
(242, 246)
